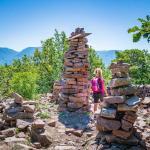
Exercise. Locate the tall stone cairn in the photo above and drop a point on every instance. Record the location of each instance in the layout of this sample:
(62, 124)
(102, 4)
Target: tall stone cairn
(118, 112)
(74, 93)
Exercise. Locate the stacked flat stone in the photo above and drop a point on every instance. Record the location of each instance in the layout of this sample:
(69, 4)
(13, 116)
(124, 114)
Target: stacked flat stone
(74, 95)
(118, 112)
(19, 113)
(39, 134)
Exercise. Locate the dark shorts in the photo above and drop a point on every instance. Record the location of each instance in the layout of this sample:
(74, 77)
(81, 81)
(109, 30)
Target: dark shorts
(97, 97)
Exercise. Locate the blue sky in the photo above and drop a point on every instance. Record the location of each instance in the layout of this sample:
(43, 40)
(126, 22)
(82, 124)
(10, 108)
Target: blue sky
(26, 23)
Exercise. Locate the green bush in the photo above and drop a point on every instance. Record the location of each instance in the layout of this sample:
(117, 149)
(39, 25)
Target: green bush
(24, 83)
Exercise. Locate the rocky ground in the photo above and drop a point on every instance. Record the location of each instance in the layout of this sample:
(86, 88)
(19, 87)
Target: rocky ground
(65, 131)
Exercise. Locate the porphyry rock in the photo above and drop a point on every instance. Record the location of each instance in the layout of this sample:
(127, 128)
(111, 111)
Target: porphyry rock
(109, 124)
(114, 99)
(38, 124)
(8, 132)
(18, 98)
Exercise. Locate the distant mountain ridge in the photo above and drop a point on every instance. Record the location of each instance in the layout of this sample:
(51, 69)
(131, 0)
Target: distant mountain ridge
(7, 55)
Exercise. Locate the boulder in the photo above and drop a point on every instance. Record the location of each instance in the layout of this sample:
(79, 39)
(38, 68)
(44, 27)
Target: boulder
(100, 128)
(108, 112)
(82, 80)
(129, 90)
(75, 132)
(8, 132)
(71, 91)
(13, 110)
(15, 140)
(146, 101)
(76, 69)
(75, 75)
(75, 105)
(77, 99)
(122, 134)
(70, 81)
(125, 107)
(81, 94)
(114, 99)
(18, 98)
(44, 137)
(19, 115)
(23, 123)
(130, 116)
(134, 100)
(38, 124)
(67, 63)
(120, 69)
(37, 145)
(29, 108)
(130, 141)
(125, 125)
(51, 122)
(29, 102)
(20, 135)
(109, 124)
(119, 65)
(117, 82)
(120, 75)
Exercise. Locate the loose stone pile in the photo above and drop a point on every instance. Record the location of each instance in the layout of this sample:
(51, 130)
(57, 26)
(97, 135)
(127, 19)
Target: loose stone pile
(143, 91)
(74, 95)
(19, 113)
(118, 112)
(19, 116)
(39, 134)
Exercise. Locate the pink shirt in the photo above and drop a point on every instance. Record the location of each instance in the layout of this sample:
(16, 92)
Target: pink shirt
(98, 85)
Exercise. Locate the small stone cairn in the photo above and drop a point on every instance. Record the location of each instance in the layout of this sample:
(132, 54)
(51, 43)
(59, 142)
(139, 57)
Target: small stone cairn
(19, 115)
(118, 112)
(74, 94)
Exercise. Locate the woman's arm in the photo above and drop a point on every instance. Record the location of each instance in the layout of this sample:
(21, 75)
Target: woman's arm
(105, 90)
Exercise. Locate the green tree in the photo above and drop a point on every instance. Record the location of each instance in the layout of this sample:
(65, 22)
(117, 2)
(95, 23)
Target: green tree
(5, 77)
(142, 31)
(23, 65)
(50, 60)
(139, 61)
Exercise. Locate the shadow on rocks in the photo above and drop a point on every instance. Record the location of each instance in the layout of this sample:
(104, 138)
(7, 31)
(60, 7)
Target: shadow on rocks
(104, 140)
(76, 120)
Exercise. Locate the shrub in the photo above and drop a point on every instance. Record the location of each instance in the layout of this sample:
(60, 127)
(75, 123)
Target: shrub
(24, 83)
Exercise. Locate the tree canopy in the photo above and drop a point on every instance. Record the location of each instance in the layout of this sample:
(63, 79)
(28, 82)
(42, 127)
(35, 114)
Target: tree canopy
(142, 31)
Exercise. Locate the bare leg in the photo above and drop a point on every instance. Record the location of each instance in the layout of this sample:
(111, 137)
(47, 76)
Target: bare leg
(101, 102)
(99, 106)
(95, 106)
